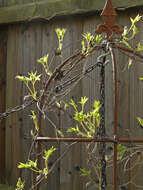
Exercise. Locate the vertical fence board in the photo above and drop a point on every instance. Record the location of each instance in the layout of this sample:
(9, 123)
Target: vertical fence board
(49, 44)
(69, 165)
(3, 57)
(12, 129)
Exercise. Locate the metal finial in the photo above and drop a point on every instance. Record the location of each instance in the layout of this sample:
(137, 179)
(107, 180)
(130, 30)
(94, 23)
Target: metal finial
(108, 14)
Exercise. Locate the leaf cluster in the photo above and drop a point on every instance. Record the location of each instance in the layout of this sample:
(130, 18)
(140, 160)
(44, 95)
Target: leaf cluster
(32, 165)
(131, 32)
(87, 122)
(60, 34)
(30, 82)
(44, 61)
(88, 42)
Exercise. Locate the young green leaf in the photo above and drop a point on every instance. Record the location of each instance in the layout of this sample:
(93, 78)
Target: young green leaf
(136, 19)
(71, 130)
(98, 38)
(140, 120)
(79, 116)
(139, 47)
(34, 117)
(60, 133)
(24, 165)
(121, 148)
(72, 102)
(19, 185)
(85, 172)
(83, 47)
(83, 100)
(60, 34)
(48, 153)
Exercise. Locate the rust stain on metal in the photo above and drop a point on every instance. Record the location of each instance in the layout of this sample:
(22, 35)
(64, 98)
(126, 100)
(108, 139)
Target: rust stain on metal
(109, 14)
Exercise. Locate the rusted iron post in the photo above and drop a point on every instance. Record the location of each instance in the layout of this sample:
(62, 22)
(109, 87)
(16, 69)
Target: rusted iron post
(109, 14)
(115, 115)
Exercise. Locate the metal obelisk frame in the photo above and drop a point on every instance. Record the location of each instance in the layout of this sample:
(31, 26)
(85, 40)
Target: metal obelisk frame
(108, 27)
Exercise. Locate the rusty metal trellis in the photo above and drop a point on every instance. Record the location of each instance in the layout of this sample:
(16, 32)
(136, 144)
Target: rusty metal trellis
(109, 14)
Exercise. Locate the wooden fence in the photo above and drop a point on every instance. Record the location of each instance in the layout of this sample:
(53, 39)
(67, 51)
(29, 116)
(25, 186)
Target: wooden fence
(20, 47)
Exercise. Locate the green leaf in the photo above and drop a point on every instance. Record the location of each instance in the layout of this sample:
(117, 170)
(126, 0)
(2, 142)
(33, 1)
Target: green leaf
(34, 117)
(83, 47)
(135, 30)
(60, 34)
(136, 19)
(139, 47)
(83, 100)
(32, 133)
(99, 166)
(72, 102)
(79, 116)
(96, 105)
(121, 148)
(140, 120)
(46, 58)
(48, 153)
(58, 31)
(98, 38)
(41, 60)
(63, 31)
(34, 76)
(23, 78)
(71, 130)
(60, 133)
(30, 164)
(65, 106)
(22, 165)
(85, 172)
(33, 164)
(20, 184)
(88, 37)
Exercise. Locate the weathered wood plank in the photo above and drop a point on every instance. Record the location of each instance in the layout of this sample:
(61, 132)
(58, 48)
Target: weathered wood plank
(13, 146)
(69, 173)
(3, 54)
(29, 40)
(49, 43)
